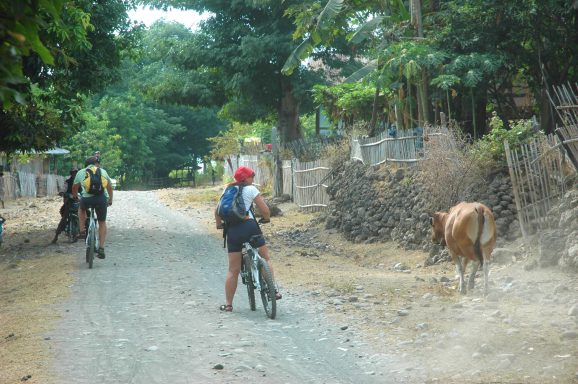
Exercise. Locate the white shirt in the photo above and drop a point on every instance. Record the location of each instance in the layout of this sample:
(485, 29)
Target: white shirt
(249, 194)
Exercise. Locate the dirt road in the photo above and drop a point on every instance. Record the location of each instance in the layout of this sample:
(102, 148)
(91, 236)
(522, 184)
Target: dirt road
(149, 314)
(351, 313)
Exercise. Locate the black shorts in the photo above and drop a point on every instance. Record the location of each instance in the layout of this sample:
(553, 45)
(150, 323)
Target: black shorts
(100, 204)
(240, 233)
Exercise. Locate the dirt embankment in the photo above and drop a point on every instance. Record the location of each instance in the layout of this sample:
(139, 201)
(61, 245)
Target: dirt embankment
(525, 331)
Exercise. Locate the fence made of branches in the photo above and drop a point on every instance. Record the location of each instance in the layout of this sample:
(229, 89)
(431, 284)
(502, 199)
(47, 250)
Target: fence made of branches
(311, 181)
(406, 148)
(538, 180)
(565, 101)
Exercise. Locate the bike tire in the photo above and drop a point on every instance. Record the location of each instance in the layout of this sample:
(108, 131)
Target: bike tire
(74, 229)
(90, 246)
(267, 289)
(249, 281)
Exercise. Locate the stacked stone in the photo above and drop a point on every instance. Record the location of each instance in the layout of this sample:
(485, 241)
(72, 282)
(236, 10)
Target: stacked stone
(371, 204)
(499, 197)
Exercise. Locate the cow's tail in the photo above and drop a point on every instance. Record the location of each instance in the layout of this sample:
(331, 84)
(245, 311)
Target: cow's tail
(478, 242)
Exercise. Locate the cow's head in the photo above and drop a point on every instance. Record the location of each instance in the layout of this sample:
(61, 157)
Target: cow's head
(438, 223)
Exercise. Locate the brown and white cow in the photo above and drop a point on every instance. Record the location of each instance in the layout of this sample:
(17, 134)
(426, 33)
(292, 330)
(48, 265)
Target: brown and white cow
(469, 232)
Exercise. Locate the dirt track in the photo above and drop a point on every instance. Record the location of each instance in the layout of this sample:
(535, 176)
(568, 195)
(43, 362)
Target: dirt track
(350, 313)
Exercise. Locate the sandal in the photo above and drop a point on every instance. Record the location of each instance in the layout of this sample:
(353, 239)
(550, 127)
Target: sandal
(226, 308)
(278, 295)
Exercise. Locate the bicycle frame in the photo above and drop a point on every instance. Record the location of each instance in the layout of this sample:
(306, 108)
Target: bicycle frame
(92, 225)
(91, 235)
(256, 274)
(249, 250)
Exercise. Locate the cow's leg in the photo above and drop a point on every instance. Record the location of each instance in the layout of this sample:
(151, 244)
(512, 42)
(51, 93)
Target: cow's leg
(486, 273)
(460, 272)
(475, 267)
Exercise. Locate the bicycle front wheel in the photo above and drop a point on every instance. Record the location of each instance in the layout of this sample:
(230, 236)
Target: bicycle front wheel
(90, 244)
(74, 228)
(249, 281)
(267, 289)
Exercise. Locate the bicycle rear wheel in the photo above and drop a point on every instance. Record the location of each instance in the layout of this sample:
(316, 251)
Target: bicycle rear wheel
(249, 280)
(90, 244)
(267, 289)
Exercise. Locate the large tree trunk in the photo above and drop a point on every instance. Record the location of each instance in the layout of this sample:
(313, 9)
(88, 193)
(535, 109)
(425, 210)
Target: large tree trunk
(288, 122)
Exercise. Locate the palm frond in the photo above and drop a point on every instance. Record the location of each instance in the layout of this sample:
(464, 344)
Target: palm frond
(364, 31)
(363, 72)
(298, 54)
(331, 9)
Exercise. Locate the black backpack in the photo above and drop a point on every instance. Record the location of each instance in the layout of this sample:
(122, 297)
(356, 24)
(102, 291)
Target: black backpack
(95, 186)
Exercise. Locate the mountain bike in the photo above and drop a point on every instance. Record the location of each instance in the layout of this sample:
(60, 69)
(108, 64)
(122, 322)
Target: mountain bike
(91, 236)
(2, 221)
(256, 275)
(72, 222)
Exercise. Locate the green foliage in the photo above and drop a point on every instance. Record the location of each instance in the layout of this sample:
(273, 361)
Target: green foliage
(308, 125)
(227, 143)
(22, 23)
(347, 100)
(54, 52)
(237, 59)
(490, 149)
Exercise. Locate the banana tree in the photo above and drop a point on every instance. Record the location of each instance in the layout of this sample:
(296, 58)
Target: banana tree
(317, 30)
(475, 71)
(445, 83)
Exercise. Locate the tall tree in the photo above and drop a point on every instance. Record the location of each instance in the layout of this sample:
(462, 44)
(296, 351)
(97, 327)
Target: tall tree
(244, 44)
(53, 52)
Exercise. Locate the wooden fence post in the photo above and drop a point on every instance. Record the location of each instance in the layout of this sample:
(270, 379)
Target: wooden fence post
(277, 165)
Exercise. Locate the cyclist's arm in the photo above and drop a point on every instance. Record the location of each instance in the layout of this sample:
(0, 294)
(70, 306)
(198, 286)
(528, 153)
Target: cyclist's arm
(109, 190)
(75, 188)
(263, 207)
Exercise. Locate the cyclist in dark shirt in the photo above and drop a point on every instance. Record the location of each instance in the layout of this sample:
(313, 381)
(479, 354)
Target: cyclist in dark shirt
(66, 204)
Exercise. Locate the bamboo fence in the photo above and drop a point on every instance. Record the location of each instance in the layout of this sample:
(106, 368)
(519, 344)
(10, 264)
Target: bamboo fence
(565, 102)
(287, 172)
(405, 149)
(536, 171)
(311, 182)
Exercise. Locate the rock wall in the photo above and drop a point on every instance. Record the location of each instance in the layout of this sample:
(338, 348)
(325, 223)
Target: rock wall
(559, 245)
(372, 204)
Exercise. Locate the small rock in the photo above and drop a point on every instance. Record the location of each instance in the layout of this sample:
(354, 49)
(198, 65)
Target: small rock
(343, 328)
(573, 311)
(152, 348)
(218, 366)
(569, 335)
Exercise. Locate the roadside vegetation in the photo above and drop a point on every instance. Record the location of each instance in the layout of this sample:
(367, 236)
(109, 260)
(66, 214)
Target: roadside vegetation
(159, 99)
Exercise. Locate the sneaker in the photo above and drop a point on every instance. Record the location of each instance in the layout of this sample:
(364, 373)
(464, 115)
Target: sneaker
(100, 254)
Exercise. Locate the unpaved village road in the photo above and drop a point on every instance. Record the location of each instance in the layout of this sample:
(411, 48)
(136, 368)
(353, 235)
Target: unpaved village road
(350, 313)
(149, 314)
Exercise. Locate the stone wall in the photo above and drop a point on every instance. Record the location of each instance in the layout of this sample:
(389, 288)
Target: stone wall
(559, 245)
(373, 204)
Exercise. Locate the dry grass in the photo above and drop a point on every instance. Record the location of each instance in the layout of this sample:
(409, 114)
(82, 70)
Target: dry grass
(449, 172)
(28, 289)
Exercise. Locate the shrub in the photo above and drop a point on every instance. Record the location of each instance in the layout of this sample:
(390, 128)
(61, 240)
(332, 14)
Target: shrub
(490, 149)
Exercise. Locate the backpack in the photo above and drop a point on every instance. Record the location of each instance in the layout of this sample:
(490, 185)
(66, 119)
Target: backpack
(231, 206)
(94, 183)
